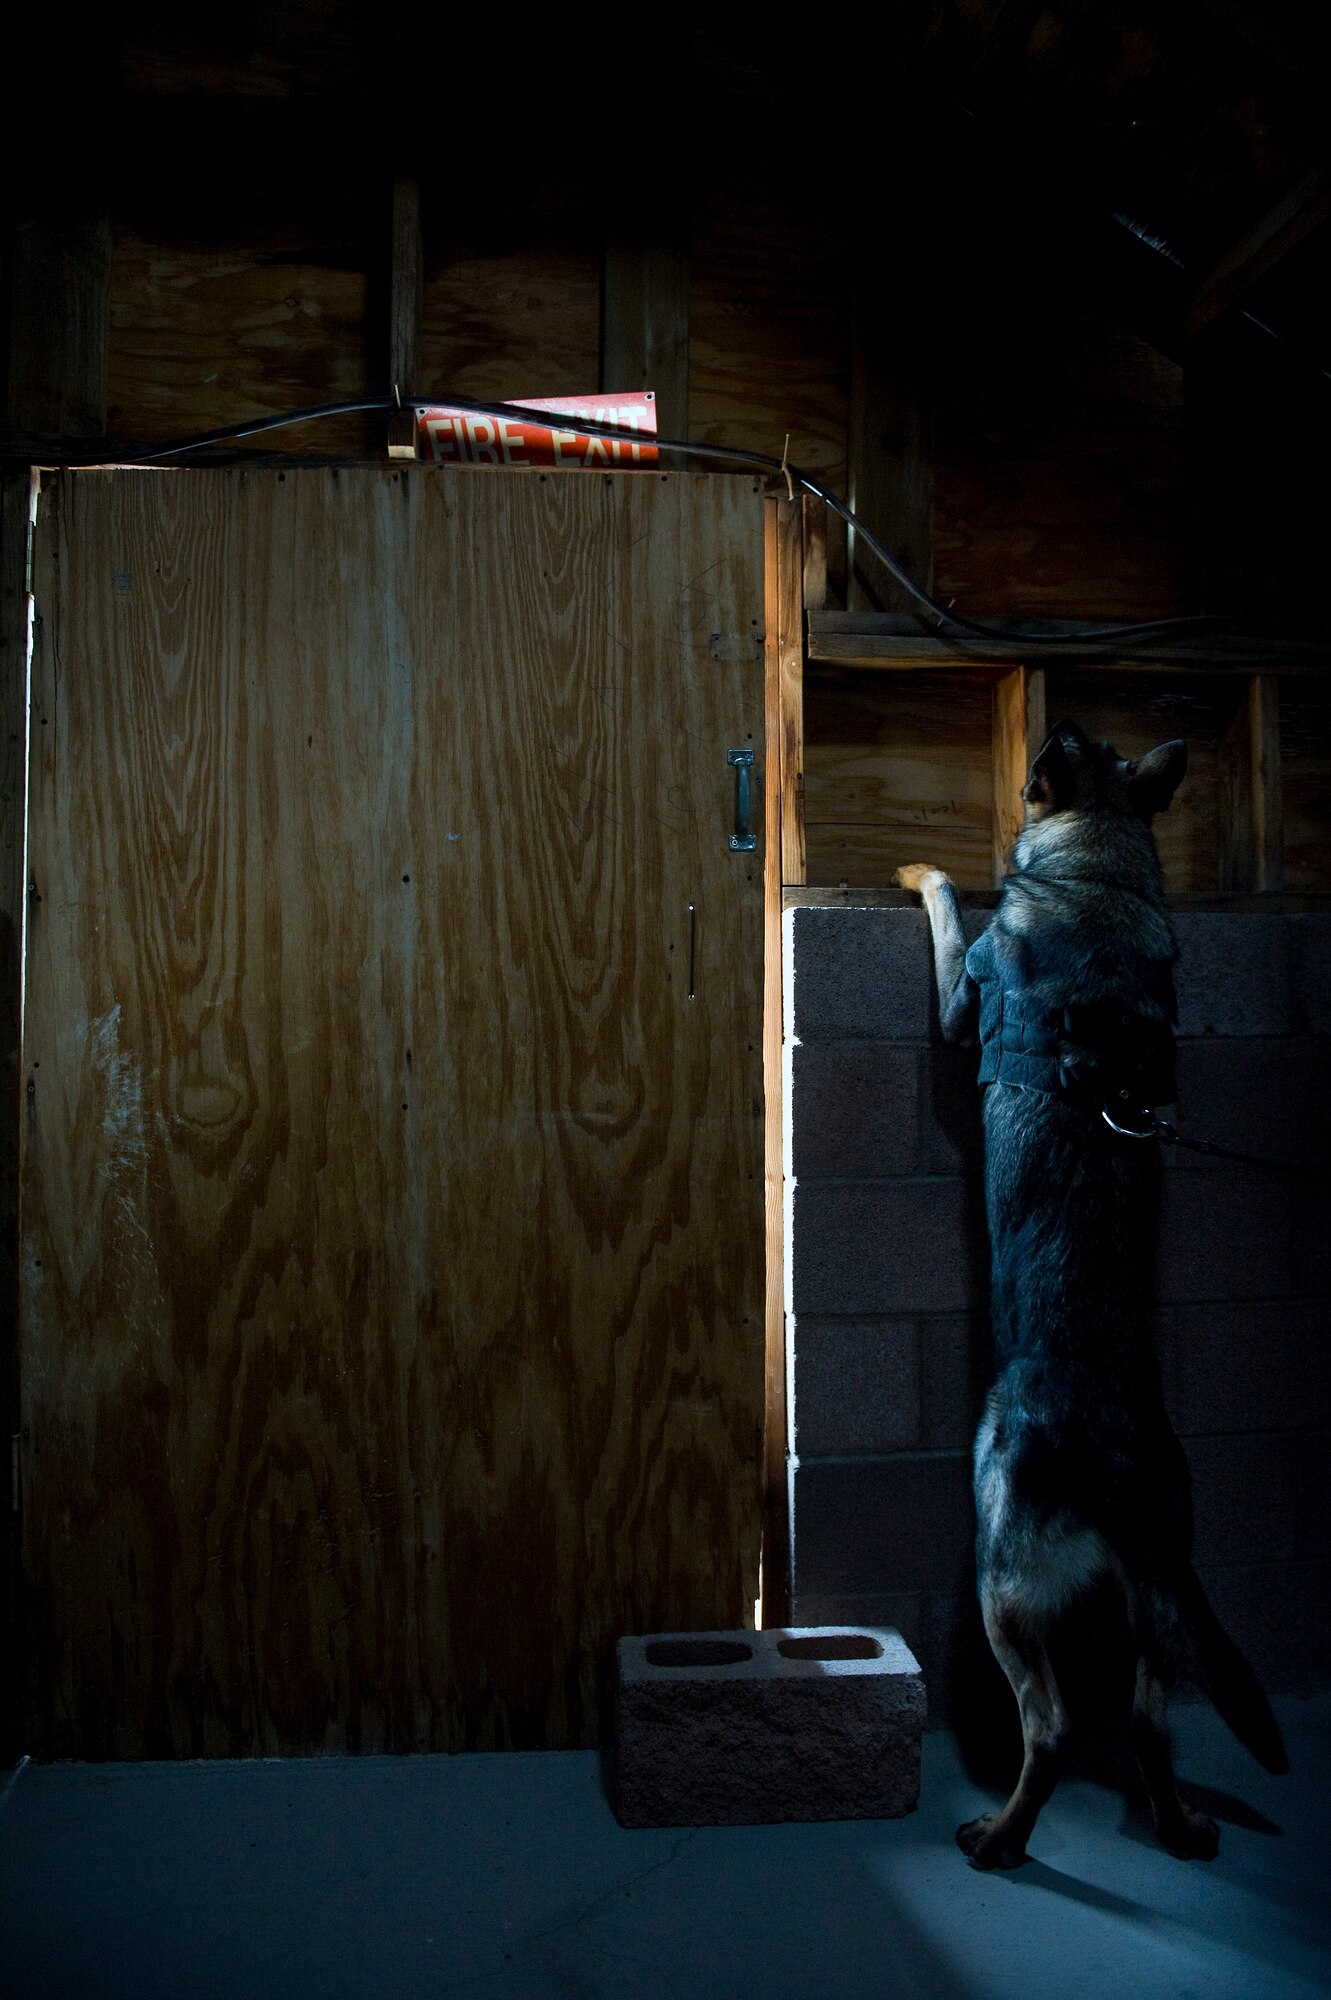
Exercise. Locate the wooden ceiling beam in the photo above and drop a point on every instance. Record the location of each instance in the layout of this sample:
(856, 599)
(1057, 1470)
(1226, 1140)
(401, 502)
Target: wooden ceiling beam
(1284, 226)
(892, 641)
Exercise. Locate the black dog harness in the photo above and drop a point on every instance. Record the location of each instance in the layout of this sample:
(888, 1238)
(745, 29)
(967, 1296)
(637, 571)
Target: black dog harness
(1102, 1055)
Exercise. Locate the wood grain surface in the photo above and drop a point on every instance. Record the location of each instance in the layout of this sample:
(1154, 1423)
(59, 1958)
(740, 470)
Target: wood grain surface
(897, 767)
(519, 319)
(769, 324)
(1019, 732)
(204, 335)
(392, 1312)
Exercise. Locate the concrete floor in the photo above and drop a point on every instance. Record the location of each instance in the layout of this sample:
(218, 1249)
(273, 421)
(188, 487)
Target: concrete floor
(507, 1875)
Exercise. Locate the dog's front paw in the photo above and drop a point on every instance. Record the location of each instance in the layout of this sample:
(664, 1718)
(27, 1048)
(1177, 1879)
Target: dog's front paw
(919, 876)
(986, 1844)
(1189, 1835)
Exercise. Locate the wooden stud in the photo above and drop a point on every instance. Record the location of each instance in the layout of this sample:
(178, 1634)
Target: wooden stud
(891, 457)
(1267, 815)
(405, 310)
(790, 642)
(815, 553)
(1249, 838)
(1018, 732)
(645, 324)
(59, 320)
(784, 806)
(17, 496)
(775, 1606)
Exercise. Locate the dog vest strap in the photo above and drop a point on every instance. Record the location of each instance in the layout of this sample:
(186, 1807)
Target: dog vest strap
(1100, 1054)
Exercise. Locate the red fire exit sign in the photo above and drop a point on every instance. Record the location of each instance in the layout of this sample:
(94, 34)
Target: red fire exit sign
(460, 437)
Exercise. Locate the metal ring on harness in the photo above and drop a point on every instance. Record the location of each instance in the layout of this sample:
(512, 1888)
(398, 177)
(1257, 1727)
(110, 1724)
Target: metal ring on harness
(1129, 1131)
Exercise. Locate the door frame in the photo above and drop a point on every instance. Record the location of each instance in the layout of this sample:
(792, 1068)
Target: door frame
(18, 509)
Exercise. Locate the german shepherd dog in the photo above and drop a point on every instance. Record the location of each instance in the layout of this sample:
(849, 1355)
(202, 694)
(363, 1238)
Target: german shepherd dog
(1080, 1481)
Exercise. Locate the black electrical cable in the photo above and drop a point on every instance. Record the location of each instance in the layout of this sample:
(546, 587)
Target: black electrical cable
(931, 611)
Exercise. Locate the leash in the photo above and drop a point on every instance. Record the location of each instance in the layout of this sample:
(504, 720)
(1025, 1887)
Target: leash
(1169, 1135)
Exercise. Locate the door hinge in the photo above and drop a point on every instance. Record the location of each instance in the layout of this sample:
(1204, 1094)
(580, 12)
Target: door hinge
(744, 646)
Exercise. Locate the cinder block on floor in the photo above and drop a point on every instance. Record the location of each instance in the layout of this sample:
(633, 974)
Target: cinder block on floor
(746, 1728)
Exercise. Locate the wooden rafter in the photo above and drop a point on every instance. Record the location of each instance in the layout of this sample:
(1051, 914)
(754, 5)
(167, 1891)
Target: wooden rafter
(1284, 226)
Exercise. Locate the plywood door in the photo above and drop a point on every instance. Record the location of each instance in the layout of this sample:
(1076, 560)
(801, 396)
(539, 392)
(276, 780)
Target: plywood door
(392, 1292)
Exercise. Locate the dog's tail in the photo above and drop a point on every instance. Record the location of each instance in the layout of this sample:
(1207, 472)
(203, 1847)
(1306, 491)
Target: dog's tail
(1228, 1679)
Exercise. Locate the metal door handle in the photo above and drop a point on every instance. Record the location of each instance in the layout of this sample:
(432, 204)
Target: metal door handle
(741, 839)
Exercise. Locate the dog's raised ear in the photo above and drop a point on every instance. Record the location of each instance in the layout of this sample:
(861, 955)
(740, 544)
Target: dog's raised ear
(1157, 776)
(1053, 779)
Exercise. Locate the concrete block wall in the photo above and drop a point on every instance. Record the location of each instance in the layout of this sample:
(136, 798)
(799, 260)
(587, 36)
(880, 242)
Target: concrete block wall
(887, 1277)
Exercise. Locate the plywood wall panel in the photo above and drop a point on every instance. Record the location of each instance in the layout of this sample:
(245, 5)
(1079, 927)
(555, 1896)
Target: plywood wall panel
(523, 320)
(204, 335)
(393, 1257)
(897, 768)
(769, 327)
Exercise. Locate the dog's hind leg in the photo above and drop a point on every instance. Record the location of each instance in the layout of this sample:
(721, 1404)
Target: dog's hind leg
(1182, 1831)
(998, 1840)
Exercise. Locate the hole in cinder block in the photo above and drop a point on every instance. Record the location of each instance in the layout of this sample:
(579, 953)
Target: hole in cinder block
(831, 1646)
(698, 1653)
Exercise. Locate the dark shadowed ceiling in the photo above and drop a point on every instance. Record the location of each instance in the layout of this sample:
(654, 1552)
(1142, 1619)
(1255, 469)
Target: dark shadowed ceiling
(1173, 153)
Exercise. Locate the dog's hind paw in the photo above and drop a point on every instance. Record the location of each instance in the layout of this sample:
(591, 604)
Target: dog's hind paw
(986, 1844)
(1191, 1835)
